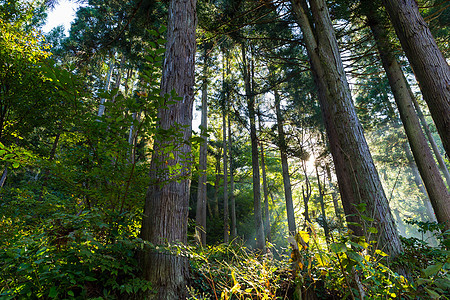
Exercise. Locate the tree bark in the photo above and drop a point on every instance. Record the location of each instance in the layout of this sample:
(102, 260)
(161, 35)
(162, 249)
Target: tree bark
(357, 176)
(101, 108)
(429, 65)
(429, 171)
(247, 72)
(285, 168)
(167, 200)
(226, 227)
(200, 218)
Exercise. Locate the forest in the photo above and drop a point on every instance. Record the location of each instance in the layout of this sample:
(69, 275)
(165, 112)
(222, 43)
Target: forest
(225, 149)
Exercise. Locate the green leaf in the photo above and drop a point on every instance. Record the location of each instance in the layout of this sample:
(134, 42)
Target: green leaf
(432, 294)
(372, 230)
(53, 292)
(432, 270)
(338, 247)
(15, 165)
(70, 293)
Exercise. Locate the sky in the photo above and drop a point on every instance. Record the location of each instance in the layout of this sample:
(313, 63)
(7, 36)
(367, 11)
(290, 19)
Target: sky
(62, 14)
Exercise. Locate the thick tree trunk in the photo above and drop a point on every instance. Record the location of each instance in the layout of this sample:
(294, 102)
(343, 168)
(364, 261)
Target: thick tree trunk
(285, 168)
(357, 176)
(167, 200)
(429, 171)
(260, 240)
(429, 65)
(200, 218)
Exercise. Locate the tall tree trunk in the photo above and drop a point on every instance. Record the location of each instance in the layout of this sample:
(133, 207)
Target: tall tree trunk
(232, 198)
(285, 168)
(322, 206)
(267, 231)
(418, 182)
(167, 200)
(200, 218)
(337, 208)
(437, 154)
(226, 226)
(429, 65)
(357, 176)
(101, 109)
(217, 186)
(429, 171)
(247, 72)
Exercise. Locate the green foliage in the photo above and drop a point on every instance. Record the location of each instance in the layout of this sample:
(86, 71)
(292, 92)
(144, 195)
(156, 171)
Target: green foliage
(78, 254)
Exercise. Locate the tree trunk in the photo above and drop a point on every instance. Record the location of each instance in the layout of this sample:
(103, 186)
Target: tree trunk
(226, 227)
(3, 179)
(433, 144)
(266, 192)
(216, 187)
(357, 176)
(200, 218)
(101, 109)
(285, 167)
(167, 200)
(429, 65)
(232, 198)
(429, 171)
(322, 207)
(418, 182)
(260, 240)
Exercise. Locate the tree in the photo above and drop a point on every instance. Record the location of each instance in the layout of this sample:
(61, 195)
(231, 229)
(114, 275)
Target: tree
(423, 156)
(429, 65)
(167, 199)
(200, 218)
(358, 179)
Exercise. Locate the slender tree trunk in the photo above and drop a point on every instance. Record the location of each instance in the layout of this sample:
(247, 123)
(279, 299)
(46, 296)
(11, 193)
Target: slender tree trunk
(322, 206)
(200, 219)
(429, 65)
(437, 154)
(52, 156)
(429, 171)
(357, 176)
(226, 226)
(260, 240)
(418, 182)
(101, 109)
(167, 200)
(267, 231)
(232, 198)
(285, 168)
(337, 208)
(3, 179)
(217, 186)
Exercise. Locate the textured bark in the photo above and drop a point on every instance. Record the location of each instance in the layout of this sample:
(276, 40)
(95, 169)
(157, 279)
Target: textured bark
(3, 178)
(260, 240)
(429, 65)
(167, 200)
(357, 176)
(200, 217)
(285, 168)
(429, 171)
